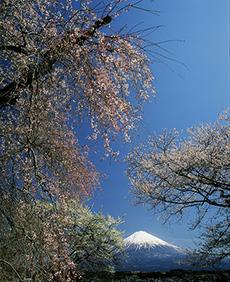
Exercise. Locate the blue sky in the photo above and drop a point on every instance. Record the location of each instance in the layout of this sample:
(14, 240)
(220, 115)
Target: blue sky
(191, 97)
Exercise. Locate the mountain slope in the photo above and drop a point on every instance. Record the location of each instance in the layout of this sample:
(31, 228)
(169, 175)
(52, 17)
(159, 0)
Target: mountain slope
(149, 253)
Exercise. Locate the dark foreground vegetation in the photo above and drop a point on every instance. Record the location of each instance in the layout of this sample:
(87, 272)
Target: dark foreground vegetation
(178, 275)
(173, 275)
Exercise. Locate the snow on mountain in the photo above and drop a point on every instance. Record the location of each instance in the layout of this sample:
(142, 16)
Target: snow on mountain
(142, 239)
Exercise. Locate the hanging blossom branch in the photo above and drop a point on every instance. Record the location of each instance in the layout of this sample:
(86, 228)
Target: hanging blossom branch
(11, 92)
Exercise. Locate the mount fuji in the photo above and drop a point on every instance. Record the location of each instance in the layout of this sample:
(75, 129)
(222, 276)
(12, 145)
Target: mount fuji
(149, 253)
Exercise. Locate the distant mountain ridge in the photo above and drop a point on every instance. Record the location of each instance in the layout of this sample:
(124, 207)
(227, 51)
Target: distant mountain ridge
(149, 253)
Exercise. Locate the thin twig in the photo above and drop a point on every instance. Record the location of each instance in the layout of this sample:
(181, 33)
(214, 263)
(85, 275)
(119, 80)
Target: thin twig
(19, 277)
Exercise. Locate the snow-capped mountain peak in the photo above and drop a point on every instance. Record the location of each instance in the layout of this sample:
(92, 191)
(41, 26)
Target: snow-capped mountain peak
(142, 239)
(148, 253)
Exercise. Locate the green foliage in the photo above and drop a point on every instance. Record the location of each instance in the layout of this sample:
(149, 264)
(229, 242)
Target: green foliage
(36, 248)
(97, 243)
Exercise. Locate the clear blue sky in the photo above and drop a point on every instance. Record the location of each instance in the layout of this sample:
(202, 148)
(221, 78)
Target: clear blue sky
(197, 96)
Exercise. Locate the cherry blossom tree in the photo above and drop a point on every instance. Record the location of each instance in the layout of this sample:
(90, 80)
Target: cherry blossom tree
(84, 241)
(61, 65)
(59, 68)
(171, 175)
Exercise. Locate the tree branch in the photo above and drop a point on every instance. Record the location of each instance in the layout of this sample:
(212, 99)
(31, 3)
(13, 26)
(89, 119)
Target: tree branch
(17, 49)
(6, 262)
(11, 92)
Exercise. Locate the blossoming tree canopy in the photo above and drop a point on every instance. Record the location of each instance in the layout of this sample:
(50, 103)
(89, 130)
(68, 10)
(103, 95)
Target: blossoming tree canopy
(60, 65)
(54, 52)
(183, 173)
(73, 242)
